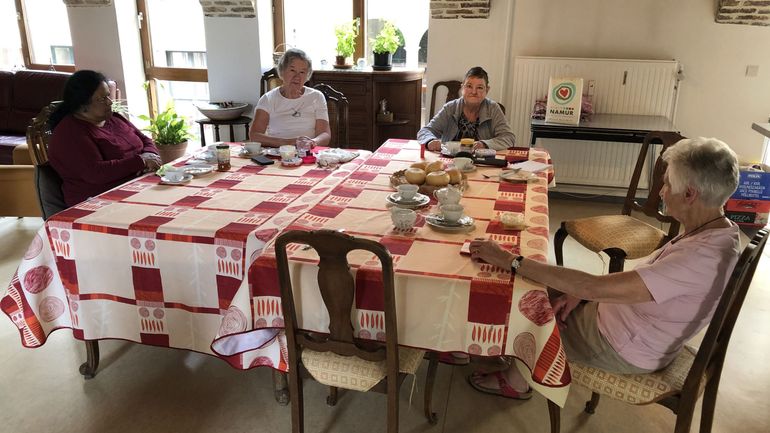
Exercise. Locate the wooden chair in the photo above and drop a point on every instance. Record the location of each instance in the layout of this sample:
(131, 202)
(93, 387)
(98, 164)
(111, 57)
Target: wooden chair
(337, 104)
(680, 385)
(269, 81)
(386, 362)
(51, 199)
(452, 93)
(623, 236)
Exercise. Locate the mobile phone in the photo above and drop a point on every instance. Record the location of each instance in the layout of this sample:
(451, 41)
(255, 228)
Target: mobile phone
(262, 160)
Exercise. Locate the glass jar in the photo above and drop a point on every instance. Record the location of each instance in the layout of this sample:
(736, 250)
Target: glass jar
(223, 157)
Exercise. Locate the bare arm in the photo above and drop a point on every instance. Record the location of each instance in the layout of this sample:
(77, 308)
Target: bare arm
(621, 288)
(323, 133)
(258, 128)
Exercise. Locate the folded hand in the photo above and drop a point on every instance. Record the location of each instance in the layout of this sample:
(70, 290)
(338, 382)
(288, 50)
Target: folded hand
(152, 161)
(434, 145)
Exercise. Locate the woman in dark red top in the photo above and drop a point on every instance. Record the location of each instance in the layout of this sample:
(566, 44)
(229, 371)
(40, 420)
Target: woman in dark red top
(91, 148)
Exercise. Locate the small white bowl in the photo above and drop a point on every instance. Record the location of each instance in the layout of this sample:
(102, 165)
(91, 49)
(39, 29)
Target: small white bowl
(452, 212)
(403, 219)
(407, 191)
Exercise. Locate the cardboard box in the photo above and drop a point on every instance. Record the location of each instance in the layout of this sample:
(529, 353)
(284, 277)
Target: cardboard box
(752, 213)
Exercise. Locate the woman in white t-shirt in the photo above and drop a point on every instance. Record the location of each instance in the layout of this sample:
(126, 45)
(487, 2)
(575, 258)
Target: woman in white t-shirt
(292, 111)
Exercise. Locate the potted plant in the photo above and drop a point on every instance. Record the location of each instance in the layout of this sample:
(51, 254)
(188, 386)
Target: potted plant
(346, 42)
(383, 46)
(169, 131)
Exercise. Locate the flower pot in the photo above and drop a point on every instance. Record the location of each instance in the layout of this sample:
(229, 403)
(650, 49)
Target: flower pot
(170, 152)
(339, 63)
(383, 61)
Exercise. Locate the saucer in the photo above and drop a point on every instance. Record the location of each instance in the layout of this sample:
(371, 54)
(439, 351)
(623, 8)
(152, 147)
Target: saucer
(291, 162)
(244, 153)
(438, 221)
(197, 169)
(166, 181)
(470, 169)
(518, 176)
(419, 200)
(448, 154)
(271, 151)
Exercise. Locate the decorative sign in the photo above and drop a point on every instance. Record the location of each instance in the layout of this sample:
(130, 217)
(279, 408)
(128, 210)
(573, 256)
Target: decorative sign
(564, 100)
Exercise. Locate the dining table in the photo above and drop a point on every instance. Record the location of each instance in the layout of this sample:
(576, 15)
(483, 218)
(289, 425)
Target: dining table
(192, 265)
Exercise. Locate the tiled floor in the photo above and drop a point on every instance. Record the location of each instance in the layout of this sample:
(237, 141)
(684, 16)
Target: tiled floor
(146, 389)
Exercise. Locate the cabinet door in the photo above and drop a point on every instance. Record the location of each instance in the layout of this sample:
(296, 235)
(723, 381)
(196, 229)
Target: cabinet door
(357, 90)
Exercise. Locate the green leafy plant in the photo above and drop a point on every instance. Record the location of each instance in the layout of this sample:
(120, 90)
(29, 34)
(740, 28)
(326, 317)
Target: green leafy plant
(387, 40)
(167, 127)
(346, 37)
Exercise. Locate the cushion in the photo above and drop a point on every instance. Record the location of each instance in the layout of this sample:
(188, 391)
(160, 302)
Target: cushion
(48, 185)
(637, 388)
(33, 90)
(636, 238)
(7, 145)
(351, 372)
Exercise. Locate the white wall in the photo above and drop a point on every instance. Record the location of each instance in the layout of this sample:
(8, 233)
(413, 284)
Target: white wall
(716, 98)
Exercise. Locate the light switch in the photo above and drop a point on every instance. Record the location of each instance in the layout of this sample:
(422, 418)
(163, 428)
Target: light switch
(752, 70)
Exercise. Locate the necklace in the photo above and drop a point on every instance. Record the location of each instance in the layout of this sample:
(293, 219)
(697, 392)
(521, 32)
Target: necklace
(295, 112)
(696, 229)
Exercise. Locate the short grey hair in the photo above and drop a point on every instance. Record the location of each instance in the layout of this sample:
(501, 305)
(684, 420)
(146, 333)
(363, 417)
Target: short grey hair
(288, 56)
(706, 164)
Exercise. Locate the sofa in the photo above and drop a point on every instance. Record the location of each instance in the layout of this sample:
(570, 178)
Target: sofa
(22, 95)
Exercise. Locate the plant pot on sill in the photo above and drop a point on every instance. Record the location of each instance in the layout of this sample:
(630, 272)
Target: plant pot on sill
(383, 61)
(170, 152)
(339, 63)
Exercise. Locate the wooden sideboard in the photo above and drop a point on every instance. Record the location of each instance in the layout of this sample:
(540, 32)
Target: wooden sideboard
(364, 90)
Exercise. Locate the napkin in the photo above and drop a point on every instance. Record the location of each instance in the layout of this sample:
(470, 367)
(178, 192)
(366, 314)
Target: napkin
(530, 166)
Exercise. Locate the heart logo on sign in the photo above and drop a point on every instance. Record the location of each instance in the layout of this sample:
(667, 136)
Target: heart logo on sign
(564, 92)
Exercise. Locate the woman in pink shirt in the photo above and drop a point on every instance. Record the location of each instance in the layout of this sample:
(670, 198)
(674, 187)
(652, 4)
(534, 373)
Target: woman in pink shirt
(93, 149)
(637, 321)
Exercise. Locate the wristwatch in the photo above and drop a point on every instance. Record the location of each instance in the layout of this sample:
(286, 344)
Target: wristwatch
(515, 263)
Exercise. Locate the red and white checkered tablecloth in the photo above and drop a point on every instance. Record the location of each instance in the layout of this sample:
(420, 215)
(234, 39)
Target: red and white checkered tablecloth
(160, 264)
(166, 265)
(445, 301)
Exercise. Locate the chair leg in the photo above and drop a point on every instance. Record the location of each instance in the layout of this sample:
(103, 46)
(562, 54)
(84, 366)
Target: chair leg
(591, 404)
(430, 379)
(297, 400)
(617, 259)
(88, 368)
(393, 391)
(708, 405)
(558, 243)
(553, 414)
(280, 388)
(331, 399)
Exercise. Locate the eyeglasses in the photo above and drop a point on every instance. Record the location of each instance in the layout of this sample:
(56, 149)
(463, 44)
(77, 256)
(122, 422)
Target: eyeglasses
(477, 88)
(103, 99)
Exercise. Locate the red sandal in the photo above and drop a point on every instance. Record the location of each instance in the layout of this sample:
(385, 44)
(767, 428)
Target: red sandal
(504, 389)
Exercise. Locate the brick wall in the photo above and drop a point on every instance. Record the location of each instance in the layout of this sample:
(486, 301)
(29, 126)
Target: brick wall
(87, 3)
(750, 12)
(229, 8)
(447, 9)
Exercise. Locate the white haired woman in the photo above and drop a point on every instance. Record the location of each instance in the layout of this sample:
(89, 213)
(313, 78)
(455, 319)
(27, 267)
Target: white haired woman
(637, 321)
(292, 111)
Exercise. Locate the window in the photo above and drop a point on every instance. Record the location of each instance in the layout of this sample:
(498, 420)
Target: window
(10, 43)
(174, 61)
(309, 25)
(43, 34)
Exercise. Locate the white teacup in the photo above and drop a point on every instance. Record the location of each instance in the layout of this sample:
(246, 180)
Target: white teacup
(407, 191)
(463, 163)
(452, 147)
(403, 219)
(253, 147)
(174, 175)
(288, 151)
(451, 212)
(448, 195)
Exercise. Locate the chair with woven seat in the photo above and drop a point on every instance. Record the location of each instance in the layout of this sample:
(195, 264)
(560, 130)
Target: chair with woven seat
(693, 373)
(51, 199)
(452, 93)
(269, 81)
(623, 236)
(337, 106)
(339, 359)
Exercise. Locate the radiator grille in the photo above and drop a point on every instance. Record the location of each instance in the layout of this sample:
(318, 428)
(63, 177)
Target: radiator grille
(621, 87)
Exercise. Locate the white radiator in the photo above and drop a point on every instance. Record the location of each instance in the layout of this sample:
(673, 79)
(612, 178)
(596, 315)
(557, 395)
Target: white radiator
(619, 87)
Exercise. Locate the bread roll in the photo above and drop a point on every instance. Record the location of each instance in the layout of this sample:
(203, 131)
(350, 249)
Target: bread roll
(434, 166)
(415, 176)
(421, 165)
(455, 176)
(437, 178)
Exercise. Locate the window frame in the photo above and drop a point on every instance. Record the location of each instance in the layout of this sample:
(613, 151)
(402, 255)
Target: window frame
(152, 72)
(26, 54)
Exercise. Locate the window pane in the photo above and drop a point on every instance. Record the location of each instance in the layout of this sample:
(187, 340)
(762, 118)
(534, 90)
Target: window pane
(185, 95)
(309, 26)
(411, 20)
(170, 46)
(48, 30)
(10, 44)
